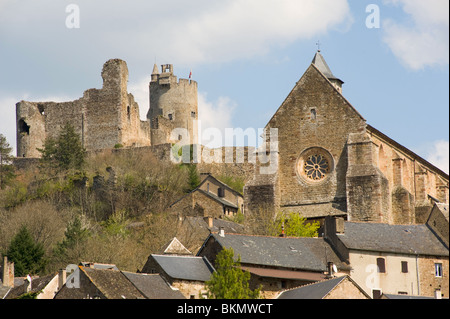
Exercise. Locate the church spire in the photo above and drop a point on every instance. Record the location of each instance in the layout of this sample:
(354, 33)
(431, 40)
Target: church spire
(323, 67)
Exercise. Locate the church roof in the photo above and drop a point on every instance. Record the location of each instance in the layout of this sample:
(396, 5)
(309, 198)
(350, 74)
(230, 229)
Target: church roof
(323, 67)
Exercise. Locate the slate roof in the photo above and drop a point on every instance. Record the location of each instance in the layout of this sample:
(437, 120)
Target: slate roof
(323, 67)
(317, 290)
(218, 199)
(211, 195)
(37, 284)
(113, 284)
(185, 267)
(406, 239)
(153, 286)
(307, 254)
(228, 226)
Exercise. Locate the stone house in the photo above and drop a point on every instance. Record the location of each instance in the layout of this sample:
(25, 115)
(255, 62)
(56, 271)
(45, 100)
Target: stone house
(278, 263)
(212, 198)
(323, 159)
(103, 281)
(14, 287)
(337, 288)
(393, 259)
(188, 274)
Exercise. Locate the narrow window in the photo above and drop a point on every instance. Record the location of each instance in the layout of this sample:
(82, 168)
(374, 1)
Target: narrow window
(24, 127)
(193, 115)
(207, 187)
(313, 114)
(381, 265)
(128, 112)
(404, 267)
(170, 115)
(438, 269)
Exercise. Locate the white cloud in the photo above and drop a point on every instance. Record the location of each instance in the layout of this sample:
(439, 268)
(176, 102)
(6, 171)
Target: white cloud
(438, 155)
(182, 32)
(426, 41)
(214, 118)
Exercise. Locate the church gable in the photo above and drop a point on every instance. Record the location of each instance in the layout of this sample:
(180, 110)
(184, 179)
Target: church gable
(313, 126)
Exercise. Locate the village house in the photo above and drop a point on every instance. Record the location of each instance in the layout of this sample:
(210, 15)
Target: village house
(211, 198)
(97, 281)
(186, 273)
(392, 259)
(337, 288)
(278, 263)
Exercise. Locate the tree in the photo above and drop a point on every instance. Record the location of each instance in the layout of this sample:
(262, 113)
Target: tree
(27, 255)
(295, 225)
(72, 246)
(65, 152)
(6, 168)
(229, 281)
(193, 177)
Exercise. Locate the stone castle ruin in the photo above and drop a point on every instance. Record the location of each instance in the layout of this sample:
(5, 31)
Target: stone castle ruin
(329, 161)
(109, 117)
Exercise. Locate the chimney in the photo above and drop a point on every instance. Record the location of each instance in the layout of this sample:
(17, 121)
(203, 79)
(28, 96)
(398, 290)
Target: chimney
(209, 221)
(437, 294)
(332, 227)
(8, 273)
(62, 277)
(29, 283)
(282, 231)
(330, 269)
(221, 232)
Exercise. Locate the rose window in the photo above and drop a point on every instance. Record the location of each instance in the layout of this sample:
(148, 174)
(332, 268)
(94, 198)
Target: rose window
(316, 167)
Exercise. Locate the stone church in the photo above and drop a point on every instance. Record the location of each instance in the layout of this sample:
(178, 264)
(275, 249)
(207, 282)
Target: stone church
(330, 161)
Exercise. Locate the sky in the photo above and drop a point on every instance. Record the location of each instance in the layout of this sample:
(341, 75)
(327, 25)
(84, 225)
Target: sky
(246, 56)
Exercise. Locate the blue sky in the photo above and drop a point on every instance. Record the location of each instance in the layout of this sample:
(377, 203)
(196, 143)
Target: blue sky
(246, 55)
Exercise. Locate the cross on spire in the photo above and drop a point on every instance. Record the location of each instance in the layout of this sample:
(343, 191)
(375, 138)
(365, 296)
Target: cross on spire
(318, 46)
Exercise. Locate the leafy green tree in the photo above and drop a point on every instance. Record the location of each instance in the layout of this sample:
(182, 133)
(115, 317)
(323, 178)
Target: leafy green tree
(295, 225)
(27, 255)
(6, 168)
(230, 281)
(65, 152)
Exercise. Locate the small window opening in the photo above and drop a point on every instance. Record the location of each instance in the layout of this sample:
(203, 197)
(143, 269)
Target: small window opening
(24, 127)
(193, 115)
(313, 114)
(170, 116)
(41, 109)
(438, 269)
(381, 265)
(404, 267)
(128, 112)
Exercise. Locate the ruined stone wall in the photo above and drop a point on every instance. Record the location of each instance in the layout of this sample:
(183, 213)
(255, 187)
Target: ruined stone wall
(102, 117)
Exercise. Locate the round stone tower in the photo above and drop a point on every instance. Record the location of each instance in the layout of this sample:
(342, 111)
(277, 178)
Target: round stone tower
(173, 111)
